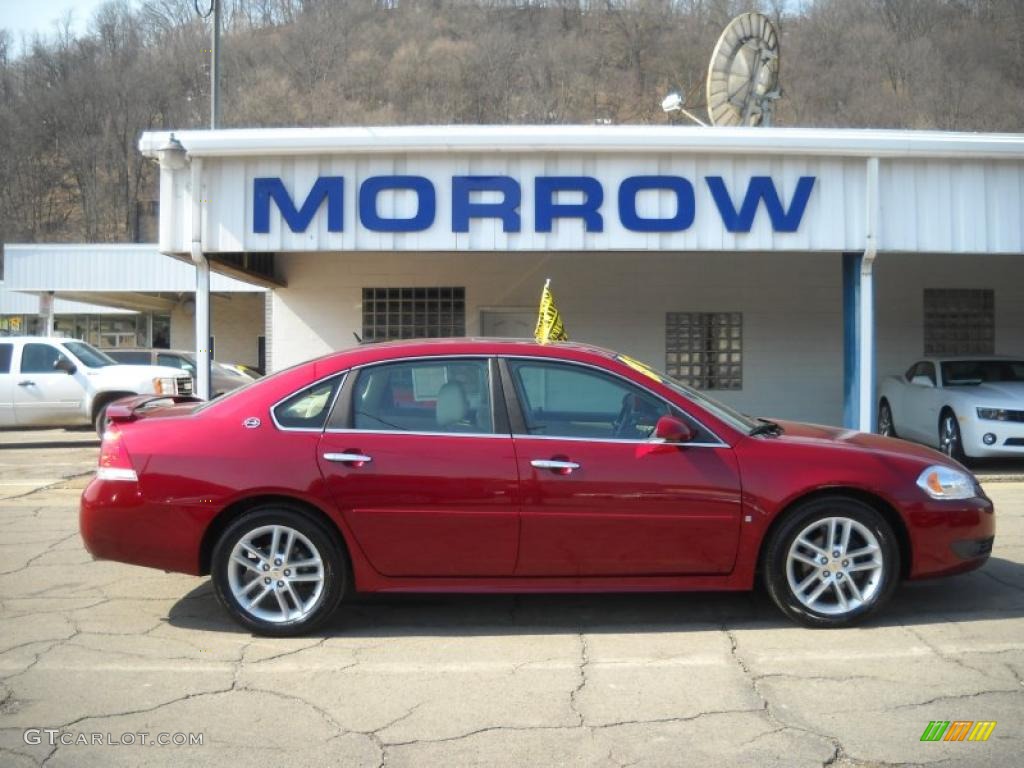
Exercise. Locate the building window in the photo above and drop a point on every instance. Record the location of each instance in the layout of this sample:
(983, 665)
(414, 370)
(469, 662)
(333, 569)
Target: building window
(413, 313)
(959, 321)
(705, 349)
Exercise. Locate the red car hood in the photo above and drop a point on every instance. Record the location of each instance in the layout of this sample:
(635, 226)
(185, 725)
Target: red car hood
(795, 431)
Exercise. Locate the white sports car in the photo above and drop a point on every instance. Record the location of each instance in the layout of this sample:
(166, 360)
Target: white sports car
(967, 407)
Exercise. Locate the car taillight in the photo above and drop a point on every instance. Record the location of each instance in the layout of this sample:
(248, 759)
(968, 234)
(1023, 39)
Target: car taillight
(114, 462)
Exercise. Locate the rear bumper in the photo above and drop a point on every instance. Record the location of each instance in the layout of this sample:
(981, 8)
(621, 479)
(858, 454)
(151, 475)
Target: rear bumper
(950, 537)
(116, 523)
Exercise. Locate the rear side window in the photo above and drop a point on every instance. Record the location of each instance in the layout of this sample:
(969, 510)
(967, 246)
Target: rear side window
(5, 357)
(309, 408)
(450, 396)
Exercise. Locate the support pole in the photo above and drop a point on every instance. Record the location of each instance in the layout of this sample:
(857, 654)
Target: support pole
(866, 363)
(202, 284)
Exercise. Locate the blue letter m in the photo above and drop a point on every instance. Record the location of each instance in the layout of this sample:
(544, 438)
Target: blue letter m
(761, 188)
(264, 190)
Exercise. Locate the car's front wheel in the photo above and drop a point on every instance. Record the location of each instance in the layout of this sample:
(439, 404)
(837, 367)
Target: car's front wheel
(950, 441)
(278, 572)
(831, 562)
(886, 426)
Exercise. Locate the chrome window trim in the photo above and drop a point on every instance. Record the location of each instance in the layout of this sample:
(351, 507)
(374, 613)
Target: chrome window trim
(500, 435)
(334, 399)
(648, 441)
(720, 444)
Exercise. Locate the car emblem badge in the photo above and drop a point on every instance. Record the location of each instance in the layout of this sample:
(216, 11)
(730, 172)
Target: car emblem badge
(251, 423)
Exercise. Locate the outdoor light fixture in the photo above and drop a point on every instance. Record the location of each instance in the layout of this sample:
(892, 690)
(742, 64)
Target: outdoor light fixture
(172, 154)
(674, 103)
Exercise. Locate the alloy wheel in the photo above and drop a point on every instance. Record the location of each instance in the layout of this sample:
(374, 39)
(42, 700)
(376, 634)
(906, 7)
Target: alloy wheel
(949, 436)
(885, 427)
(835, 565)
(276, 574)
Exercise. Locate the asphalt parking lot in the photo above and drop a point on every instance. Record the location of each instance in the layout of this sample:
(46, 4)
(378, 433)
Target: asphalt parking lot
(605, 680)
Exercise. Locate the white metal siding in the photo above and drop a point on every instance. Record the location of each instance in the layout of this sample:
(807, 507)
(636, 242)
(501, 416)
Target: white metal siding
(833, 219)
(946, 206)
(104, 267)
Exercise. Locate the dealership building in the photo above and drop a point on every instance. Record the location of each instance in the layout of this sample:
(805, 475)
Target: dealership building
(782, 270)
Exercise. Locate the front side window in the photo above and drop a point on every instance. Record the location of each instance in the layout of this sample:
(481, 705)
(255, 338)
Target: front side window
(309, 408)
(5, 357)
(39, 358)
(451, 396)
(88, 355)
(560, 400)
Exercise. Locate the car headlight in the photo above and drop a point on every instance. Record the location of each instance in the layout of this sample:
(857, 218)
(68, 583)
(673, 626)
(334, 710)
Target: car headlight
(946, 483)
(994, 414)
(164, 385)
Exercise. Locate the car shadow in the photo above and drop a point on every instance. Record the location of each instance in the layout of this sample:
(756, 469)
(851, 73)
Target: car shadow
(992, 593)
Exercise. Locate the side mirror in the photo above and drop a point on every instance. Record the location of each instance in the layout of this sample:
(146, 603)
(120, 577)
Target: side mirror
(672, 430)
(922, 381)
(63, 364)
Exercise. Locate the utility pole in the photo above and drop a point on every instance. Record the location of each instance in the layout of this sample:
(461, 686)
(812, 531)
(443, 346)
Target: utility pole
(215, 67)
(213, 10)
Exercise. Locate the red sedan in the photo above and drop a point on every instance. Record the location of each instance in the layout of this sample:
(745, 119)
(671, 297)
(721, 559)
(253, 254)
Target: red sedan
(507, 466)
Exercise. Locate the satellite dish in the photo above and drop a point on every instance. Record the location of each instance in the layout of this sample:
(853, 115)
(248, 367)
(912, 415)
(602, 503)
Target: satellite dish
(743, 77)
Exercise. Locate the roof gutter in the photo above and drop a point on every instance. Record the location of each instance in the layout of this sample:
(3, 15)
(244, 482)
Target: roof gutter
(497, 139)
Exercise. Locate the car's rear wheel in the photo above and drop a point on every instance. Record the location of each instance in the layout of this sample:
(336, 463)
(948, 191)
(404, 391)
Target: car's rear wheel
(886, 426)
(950, 441)
(278, 571)
(831, 562)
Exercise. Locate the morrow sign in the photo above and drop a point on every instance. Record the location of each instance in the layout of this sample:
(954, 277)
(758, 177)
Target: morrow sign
(500, 198)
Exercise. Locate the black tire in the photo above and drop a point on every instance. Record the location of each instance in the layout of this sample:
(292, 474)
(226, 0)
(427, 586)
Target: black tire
(334, 563)
(950, 441)
(886, 426)
(879, 586)
(100, 422)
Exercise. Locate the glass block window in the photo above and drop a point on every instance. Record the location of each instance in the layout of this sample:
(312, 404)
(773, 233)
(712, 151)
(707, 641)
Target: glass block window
(959, 321)
(705, 349)
(413, 313)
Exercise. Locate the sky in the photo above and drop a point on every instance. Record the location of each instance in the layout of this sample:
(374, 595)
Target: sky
(28, 16)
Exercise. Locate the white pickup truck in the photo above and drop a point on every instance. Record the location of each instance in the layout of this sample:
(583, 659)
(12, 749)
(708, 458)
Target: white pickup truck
(55, 382)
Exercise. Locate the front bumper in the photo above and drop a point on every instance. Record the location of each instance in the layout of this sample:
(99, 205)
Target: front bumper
(1009, 437)
(949, 537)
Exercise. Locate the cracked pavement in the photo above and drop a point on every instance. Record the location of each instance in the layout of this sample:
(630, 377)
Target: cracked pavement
(576, 680)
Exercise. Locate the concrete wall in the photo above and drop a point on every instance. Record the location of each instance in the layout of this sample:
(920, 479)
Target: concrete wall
(236, 321)
(791, 305)
(618, 300)
(899, 310)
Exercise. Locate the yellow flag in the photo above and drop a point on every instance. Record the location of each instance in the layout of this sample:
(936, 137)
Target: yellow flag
(549, 321)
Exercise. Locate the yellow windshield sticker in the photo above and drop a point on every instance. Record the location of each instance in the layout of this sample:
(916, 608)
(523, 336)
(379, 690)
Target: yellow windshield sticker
(636, 365)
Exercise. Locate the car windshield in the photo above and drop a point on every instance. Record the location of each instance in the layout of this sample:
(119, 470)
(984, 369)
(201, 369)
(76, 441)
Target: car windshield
(963, 373)
(732, 417)
(88, 355)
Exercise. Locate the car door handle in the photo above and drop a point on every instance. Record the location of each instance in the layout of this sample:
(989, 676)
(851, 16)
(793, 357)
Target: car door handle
(26, 383)
(348, 458)
(558, 466)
